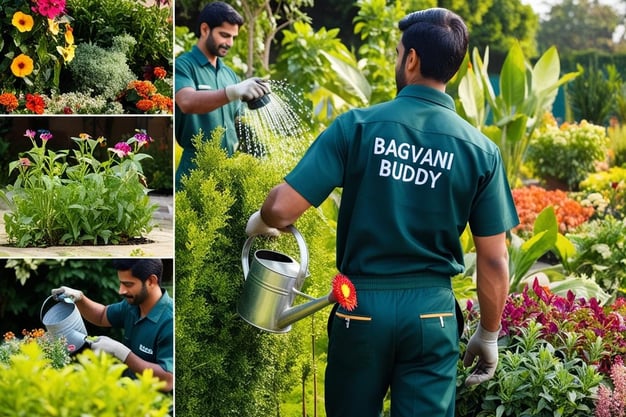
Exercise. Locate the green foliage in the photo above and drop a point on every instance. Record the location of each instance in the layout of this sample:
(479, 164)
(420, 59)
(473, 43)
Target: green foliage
(531, 380)
(102, 71)
(568, 153)
(526, 93)
(62, 198)
(592, 95)
(100, 21)
(94, 386)
(601, 253)
(54, 350)
(224, 366)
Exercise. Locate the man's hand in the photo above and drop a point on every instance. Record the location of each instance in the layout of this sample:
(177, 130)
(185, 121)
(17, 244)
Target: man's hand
(256, 226)
(483, 344)
(75, 295)
(247, 90)
(113, 347)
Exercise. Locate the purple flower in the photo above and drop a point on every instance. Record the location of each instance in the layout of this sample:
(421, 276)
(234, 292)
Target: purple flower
(142, 137)
(45, 135)
(121, 149)
(30, 134)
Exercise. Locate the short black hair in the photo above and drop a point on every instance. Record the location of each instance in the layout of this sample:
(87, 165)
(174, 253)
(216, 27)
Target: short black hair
(440, 39)
(216, 13)
(140, 268)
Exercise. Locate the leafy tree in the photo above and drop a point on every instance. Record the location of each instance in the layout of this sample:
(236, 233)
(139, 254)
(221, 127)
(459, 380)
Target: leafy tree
(575, 25)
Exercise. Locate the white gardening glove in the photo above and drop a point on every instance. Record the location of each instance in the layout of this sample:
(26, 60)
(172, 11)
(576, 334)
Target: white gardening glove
(483, 344)
(113, 347)
(75, 295)
(247, 90)
(256, 226)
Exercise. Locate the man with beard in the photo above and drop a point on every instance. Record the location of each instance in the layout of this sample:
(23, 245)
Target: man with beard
(208, 93)
(145, 315)
(413, 175)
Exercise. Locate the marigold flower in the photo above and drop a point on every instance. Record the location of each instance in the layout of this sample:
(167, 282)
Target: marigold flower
(9, 101)
(144, 89)
(8, 336)
(22, 66)
(121, 149)
(159, 72)
(35, 103)
(22, 21)
(344, 292)
(162, 102)
(145, 105)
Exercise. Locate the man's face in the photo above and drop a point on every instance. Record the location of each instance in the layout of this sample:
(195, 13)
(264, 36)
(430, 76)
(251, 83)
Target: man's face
(133, 289)
(220, 39)
(400, 62)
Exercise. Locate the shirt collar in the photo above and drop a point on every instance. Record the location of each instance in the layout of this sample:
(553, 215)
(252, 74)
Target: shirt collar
(161, 307)
(422, 92)
(201, 59)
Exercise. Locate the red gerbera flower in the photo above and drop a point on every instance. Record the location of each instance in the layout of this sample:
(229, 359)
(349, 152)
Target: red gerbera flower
(344, 292)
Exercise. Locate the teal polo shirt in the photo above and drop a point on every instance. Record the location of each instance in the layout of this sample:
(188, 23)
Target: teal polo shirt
(413, 174)
(150, 337)
(192, 69)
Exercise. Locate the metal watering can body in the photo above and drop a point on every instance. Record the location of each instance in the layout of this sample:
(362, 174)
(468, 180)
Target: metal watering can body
(271, 283)
(64, 320)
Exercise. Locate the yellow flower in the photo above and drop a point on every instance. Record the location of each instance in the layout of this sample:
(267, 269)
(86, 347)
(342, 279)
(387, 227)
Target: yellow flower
(69, 34)
(22, 65)
(53, 27)
(23, 22)
(67, 53)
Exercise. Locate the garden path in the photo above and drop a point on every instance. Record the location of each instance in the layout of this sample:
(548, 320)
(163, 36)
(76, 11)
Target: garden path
(161, 241)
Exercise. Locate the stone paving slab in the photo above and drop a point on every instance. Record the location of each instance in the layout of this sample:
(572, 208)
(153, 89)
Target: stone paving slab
(161, 241)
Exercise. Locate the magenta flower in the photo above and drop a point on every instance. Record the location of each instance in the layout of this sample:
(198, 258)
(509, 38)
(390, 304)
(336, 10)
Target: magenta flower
(121, 149)
(45, 135)
(142, 137)
(49, 8)
(30, 134)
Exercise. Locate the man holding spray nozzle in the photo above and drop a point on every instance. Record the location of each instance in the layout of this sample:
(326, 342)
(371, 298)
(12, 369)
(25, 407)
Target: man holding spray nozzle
(208, 93)
(413, 175)
(146, 315)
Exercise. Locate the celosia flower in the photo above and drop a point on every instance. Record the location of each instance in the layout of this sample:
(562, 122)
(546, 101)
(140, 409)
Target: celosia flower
(35, 103)
(9, 101)
(344, 292)
(22, 65)
(49, 8)
(159, 73)
(121, 149)
(22, 21)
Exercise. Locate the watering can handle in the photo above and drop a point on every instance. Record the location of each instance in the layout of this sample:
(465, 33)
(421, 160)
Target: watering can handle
(42, 306)
(304, 254)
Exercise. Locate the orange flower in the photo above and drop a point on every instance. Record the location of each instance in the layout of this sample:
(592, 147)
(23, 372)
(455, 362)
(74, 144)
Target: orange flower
(162, 102)
(35, 103)
(145, 105)
(22, 65)
(9, 101)
(144, 88)
(159, 72)
(23, 22)
(344, 292)
(69, 34)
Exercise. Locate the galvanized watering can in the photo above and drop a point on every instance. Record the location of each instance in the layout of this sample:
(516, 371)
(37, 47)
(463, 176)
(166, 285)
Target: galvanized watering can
(64, 320)
(271, 282)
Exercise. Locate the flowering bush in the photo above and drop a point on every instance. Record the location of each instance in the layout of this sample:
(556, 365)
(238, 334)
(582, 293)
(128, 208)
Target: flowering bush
(607, 192)
(55, 350)
(65, 198)
(569, 152)
(611, 401)
(530, 201)
(153, 95)
(38, 41)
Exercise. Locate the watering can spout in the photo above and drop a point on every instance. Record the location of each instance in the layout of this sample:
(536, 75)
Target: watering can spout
(295, 313)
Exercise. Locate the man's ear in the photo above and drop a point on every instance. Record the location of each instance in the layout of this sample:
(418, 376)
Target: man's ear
(412, 61)
(153, 280)
(204, 28)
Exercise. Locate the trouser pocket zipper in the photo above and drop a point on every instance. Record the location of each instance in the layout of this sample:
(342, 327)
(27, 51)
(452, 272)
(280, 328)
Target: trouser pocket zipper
(348, 317)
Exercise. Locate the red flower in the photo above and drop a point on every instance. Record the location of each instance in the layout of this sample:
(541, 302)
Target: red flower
(344, 292)
(9, 101)
(35, 103)
(160, 72)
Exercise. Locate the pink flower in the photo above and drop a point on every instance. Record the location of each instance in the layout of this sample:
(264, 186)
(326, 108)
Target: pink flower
(30, 134)
(45, 135)
(49, 8)
(25, 162)
(142, 137)
(121, 149)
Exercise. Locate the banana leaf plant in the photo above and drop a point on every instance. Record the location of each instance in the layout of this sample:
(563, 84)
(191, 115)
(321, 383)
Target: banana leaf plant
(526, 93)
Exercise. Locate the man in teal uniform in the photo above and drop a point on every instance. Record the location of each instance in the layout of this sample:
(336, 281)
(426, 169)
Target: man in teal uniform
(208, 93)
(146, 316)
(413, 175)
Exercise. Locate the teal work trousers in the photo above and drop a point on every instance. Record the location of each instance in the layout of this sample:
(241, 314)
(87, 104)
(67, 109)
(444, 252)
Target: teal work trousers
(404, 340)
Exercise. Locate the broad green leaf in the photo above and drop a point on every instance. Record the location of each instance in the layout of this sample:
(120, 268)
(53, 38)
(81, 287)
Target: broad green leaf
(352, 79)
(513, 79)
